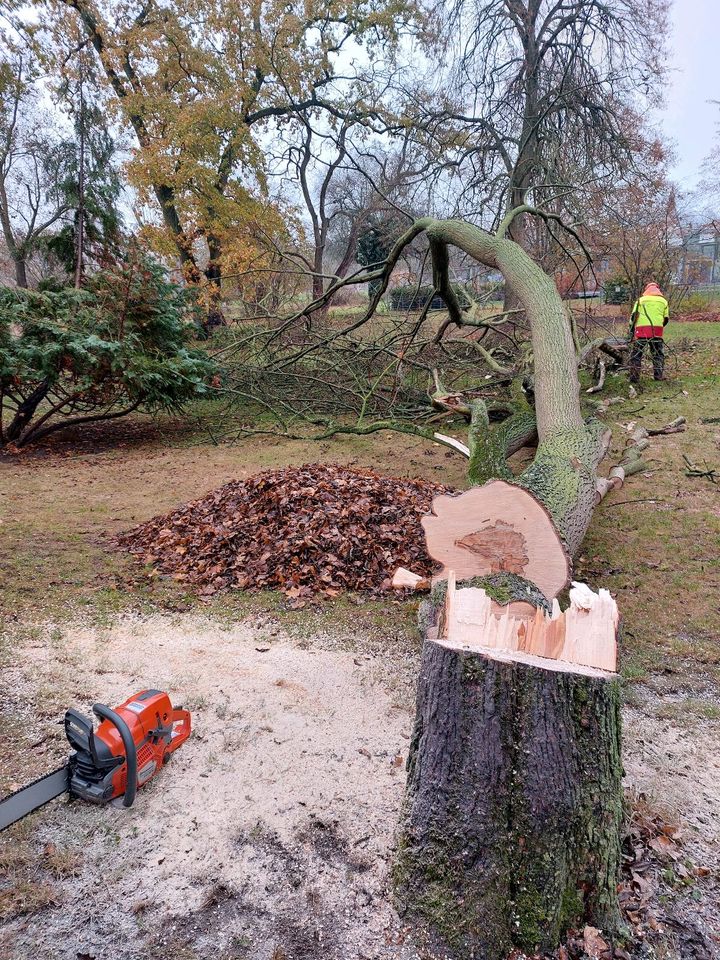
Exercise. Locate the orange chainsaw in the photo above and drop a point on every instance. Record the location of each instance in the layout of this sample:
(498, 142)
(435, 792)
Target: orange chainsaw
(130, 745)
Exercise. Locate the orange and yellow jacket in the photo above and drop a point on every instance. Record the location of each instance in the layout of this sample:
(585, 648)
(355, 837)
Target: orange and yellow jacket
(650, 315)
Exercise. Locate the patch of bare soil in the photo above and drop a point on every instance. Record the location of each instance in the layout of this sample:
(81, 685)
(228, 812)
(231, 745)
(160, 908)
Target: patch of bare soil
(135, 430)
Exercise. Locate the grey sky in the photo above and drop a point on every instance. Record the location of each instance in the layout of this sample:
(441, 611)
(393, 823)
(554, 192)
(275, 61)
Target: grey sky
(689, 119)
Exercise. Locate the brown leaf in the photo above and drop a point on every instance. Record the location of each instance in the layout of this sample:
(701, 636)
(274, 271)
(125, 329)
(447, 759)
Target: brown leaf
(320, 527)
(593, 943)
(664, 847)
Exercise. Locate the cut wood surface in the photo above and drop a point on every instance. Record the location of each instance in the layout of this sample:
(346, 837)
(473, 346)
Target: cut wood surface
(407, 580)
(583, 635)
(499, 527)
(452, 442)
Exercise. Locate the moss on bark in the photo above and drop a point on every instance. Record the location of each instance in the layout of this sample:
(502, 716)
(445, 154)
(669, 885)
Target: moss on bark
(512, 823)
(503, 588)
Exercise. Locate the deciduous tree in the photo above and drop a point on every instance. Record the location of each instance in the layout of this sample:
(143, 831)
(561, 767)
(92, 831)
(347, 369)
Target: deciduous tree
(33, 165)
(541, 89)
(200, 85)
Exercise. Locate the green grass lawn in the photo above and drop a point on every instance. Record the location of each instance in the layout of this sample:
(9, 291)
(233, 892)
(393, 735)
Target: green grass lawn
(654, 543)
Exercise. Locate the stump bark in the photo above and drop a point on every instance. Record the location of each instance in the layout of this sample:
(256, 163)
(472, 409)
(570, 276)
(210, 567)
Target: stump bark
(513, 809)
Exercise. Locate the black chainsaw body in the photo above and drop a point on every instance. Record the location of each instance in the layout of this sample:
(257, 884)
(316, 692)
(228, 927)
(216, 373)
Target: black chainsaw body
(92, 765)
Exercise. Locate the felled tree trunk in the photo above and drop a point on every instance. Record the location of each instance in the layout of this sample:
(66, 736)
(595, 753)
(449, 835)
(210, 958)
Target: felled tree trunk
(562, 474)
(514, 796)
(512, 823)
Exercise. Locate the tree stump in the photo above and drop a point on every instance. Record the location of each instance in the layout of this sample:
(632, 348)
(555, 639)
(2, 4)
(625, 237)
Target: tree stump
(514, 801)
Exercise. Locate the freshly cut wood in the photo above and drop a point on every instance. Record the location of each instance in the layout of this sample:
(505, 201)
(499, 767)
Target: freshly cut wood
(631, 463)
(638, 434)
(452, 442)
(407, 580)
(499, 527)
(583, 635)
(514, 802)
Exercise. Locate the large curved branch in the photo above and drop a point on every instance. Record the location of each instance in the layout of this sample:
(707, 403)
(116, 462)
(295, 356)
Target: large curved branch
(556, 380)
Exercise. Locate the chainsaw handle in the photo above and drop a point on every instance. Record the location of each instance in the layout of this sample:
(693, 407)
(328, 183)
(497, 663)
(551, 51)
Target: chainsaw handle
(105, 713)
(181, 728)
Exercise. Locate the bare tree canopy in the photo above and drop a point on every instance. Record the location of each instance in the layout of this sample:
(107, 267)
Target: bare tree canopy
(538, 94)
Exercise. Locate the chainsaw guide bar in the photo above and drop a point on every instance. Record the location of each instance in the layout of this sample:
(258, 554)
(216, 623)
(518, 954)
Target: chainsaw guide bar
(34, 795)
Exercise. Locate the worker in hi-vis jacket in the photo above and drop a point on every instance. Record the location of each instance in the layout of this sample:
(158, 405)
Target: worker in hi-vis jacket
(649, 317)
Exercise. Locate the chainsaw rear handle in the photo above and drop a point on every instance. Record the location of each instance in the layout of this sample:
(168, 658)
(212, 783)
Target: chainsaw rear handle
(105, 713)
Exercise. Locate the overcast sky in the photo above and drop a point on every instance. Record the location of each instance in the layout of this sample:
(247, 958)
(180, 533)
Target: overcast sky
(689, 119)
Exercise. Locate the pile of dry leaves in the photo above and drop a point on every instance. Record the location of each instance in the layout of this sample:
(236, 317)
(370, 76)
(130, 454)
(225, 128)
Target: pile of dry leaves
(700, 316)
(301, 530)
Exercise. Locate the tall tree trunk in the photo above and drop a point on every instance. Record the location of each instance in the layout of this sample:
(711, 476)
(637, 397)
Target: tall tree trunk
(80, 217)
(21, 271)
(318, 287)
(213, 276)
(512, 823)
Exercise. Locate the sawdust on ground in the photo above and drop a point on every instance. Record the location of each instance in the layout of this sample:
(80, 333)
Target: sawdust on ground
(270, 834)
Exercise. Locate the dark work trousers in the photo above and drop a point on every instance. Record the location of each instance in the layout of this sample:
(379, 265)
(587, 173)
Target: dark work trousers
(657, 352)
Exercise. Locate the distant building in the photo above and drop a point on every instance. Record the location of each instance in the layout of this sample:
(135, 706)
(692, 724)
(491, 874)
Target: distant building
(699, 261)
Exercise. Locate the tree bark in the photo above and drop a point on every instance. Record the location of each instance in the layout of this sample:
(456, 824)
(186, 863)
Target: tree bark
(26, 411)
(514, 803)
(514, 800)
(213, 276)
(21, 272)
(569, 450)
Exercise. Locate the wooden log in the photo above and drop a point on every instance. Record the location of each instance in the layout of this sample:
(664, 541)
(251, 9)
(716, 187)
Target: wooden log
(616, 348)
(511, 832)
(679, 425)
(407, 580)
(631, 463)
(498, 527)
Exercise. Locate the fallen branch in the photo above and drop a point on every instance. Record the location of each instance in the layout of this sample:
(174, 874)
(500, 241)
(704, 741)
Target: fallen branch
(452, 442)
(631, 463)
(620, 503)
(601, 379)
(614, 348)
(602, 407)
(679, 425)
(709, 473)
